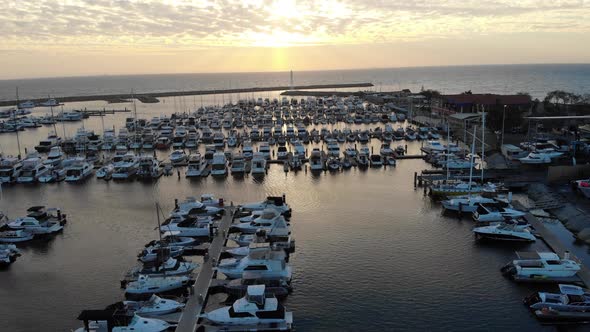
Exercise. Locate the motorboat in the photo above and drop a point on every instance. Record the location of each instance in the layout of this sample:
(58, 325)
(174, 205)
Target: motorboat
(254, 310)
(513, 230)
(541, 266)
(376, 160)
(9, 169)
(178, 157)
(258, 164)
(266, 220)
(191, 227)
(16, 236)
(333, 148)
(386, 150)
(152, 285)
(78, 170)
(268, 262)
(540, 157)
(155, 252)
(497, 211)
(462, 188)
(238, 165)
(192, 141)
(47, 144)
(469, 203)
(219, 164)
(436, 146)
(295, 163)
(112, 321)
(169, 267)
(155, 306)
(163, 143)
(8, 254)
(333, 164)
(570, 304)
(55, 157)
(126, 170)
(149, 168)
(32, 169)
(196, 166)
(105, 172)
(389, 161)
(273, 286)
(316, 160)
(54, 175)
(275, 202)
(35, 226)
(282, 153)
(192, 207)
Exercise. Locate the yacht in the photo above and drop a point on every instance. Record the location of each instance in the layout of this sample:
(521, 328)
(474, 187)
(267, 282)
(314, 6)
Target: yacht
(570, 304)
(238, 165)
(386, 149)
(541, 266)
(282, 152)
(32, 170)
(273, 286)
(35, 226)
(112, 321)
(269, 263)
(189, 227)
(316, 160)
(295, 163)
(191, 207)
(16, 236)
(275, 202)
(9, 169)
(253, 312)
(178, 157)
(333, 148)
(79, 170)
(151, 285)
(105, 172)
(266, 220)
(219, 164)
(259, 165)
(436, 146)
(196, 166)
(583, 186)
(149, 168)
(180, 137)
(8, 254)
(497, 211)
(163, 143)
(153, 253)
(469, 203)
(192, 141)
(462, 188)
(47, 144)
(540, 157)
(219, 140)
(170, 267)
(506, 231)
(375, 160)
(126, 170)
(54, 157)
(154, 306)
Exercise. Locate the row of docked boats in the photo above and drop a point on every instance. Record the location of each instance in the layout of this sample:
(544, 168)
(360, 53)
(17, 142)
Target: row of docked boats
(497, 220)
(163, 272)
(38, 222)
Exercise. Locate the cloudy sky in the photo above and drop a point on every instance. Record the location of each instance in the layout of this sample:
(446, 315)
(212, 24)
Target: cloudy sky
(87, 37)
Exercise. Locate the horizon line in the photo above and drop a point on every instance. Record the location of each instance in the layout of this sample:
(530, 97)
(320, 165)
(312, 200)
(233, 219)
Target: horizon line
(289, 70)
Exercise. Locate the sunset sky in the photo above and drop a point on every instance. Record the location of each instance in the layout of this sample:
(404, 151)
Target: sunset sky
(41, 38)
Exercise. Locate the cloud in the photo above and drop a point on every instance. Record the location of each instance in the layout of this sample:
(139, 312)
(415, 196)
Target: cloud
(195, 24)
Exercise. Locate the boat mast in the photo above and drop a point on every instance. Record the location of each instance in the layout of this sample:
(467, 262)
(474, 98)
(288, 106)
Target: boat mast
(448, 149)
(15, 124)
(483, 132)
(471, 158)
(63, 123)
(52, 117)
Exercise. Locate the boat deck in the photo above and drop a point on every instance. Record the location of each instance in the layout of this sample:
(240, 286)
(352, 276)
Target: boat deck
(583, 276)
(194, 307)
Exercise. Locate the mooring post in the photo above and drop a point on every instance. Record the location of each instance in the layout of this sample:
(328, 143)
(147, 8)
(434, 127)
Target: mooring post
(415, 178)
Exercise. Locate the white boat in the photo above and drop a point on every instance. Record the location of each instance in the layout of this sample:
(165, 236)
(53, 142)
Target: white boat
(154, 252)
(436, 146)
(35, 226)
(126, 170)
(151, 285)
(55, 157)
(106, 321)
(571, 303)
(462, 188)
(105, 172)
(196, 166)
(79, 170)
(149, 168)
(191, 227)
(266, 220)
(258, 164)
(253, 312)
(170, 267)
(178, 157)
(238, 165)
(497, 211)
(9, 169)
(541, 265)
(47, 144)
(8, 254)
(16, 236)
(506, 231)
(219, 164)
(32, 169)
(270, 263)
(155, 306)
(386, 150)
(333, 148)
(469, 203)
(275, 202)
(316, 160)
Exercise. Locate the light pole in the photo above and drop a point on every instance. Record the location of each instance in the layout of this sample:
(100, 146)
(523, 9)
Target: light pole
(503, 119)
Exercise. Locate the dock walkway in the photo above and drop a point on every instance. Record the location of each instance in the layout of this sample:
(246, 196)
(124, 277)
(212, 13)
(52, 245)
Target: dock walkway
(553, 242)
(193, 308)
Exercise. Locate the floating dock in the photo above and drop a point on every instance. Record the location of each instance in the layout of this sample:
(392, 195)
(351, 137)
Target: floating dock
(198, 298)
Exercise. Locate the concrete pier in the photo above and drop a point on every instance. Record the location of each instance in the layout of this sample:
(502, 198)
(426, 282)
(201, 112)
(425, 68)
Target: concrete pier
(195, 304)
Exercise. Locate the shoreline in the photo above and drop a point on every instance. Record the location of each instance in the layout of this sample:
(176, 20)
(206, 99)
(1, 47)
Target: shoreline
(152, 97)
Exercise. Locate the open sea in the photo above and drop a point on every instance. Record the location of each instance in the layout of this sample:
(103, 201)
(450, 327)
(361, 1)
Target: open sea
(373, 253)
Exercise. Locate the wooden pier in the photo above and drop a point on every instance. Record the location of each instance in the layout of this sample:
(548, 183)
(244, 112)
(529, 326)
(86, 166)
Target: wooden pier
(198, 298)
(553, 242)
(102, 112)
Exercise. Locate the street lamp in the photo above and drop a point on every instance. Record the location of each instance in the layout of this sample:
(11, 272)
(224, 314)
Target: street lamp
(503, 119)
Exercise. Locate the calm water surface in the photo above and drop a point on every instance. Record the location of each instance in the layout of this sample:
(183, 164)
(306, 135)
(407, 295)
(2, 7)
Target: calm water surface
(373, 254)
